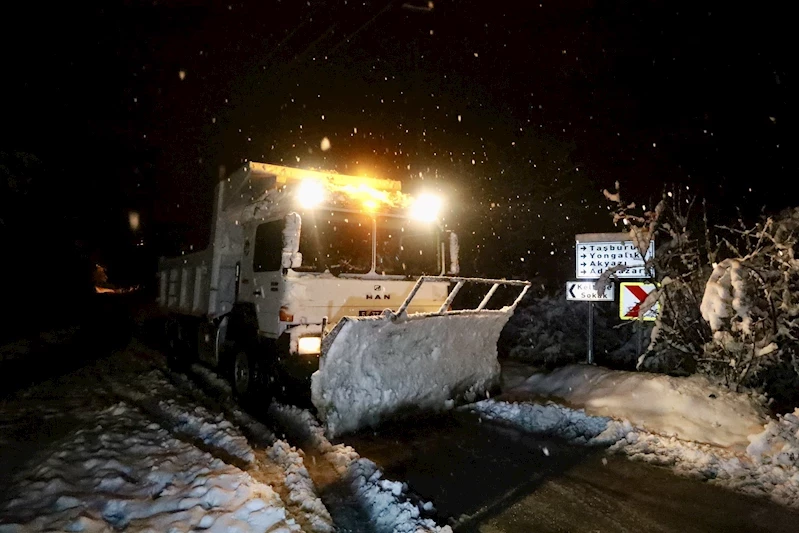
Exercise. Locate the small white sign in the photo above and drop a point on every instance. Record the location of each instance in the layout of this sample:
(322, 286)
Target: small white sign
(585, 291)
(594, 258)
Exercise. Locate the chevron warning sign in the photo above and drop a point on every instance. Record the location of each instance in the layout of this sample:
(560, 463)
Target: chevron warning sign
(631, 296)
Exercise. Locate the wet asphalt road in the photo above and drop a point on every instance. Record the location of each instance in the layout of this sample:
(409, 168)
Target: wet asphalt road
(487, 478)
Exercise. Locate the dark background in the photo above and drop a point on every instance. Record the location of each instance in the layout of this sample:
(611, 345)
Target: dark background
(519, 113)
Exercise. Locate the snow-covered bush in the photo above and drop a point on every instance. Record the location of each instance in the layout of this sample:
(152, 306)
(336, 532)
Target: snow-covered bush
(728, 297)
(550, 331)
(751, 304)
(680, 268)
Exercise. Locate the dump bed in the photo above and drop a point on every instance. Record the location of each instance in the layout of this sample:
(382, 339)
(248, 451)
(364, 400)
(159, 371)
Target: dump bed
(186, 284)
(183, 283)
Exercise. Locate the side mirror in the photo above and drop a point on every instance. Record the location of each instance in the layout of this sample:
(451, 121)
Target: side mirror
(291, 257)
(454, 248)
(291, 260)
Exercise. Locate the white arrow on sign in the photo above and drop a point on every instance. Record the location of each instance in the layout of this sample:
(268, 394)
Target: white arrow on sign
(584, 291)
(594, 258)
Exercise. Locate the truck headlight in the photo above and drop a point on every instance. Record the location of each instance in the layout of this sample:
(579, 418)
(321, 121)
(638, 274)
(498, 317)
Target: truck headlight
(309, 345)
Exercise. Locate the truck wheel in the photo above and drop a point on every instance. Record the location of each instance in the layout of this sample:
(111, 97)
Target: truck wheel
(250, 381)
(243, 375)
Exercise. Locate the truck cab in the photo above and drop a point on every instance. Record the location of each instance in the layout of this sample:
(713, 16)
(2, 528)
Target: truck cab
(293, 252)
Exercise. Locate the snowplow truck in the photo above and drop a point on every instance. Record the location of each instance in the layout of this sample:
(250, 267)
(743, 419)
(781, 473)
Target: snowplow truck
(337, 289)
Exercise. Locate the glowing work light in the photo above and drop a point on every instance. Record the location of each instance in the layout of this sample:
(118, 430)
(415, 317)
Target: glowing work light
(426, 208)
(311, 193)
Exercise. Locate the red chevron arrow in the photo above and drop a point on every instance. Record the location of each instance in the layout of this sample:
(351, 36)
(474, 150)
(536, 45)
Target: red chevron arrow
(641, 295)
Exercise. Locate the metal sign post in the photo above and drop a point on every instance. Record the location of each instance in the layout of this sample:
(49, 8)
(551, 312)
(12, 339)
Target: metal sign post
(595, 253)
(590, 333)
(585, 291)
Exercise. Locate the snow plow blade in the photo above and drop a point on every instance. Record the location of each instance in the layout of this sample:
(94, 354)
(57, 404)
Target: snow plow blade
(374, 368)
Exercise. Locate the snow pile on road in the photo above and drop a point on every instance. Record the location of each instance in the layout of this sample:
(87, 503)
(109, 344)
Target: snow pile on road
(769, 467)
(300, 486)
(305, 426)
(213, 430)
(689, 408)
(551, 419)
(385, 502)
(376, 367)
(127, 472)
(740, 471)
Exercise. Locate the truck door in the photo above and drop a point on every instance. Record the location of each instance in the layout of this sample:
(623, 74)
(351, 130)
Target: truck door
(262, 275)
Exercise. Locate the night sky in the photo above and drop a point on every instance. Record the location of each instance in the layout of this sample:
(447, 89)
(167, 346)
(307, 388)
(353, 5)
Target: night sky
(519, 112)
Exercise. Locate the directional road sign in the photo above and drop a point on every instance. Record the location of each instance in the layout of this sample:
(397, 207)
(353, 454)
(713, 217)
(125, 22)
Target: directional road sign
(584, 291)
(631, 296)
(595, 257)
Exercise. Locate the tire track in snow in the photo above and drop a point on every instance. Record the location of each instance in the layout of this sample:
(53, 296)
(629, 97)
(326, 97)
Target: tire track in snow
(299, 490)
(268, 457)
(353, 487)
(153, 409)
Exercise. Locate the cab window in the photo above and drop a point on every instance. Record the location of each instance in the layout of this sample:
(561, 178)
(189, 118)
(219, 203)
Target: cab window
(268, 251)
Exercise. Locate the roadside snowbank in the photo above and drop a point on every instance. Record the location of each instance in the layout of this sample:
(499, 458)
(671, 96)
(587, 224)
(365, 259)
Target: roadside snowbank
(127, 472)
(768, 467)
(385, 502)
(572, 425)
(378, 368)
(688, 408)
(779, 442)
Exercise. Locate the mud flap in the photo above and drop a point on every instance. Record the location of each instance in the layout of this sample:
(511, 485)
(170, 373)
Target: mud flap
(373, 368)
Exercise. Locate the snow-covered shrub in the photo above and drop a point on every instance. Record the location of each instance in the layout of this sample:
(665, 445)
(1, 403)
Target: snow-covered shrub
(728, 297)
(680, 267)
(550, 331)
(751, 304)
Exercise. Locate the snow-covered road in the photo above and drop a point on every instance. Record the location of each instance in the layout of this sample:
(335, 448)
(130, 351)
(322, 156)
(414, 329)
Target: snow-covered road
(124, 444)
(133, 450)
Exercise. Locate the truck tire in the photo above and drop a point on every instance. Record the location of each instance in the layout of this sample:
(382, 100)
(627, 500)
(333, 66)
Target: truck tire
(250, 381)
(243, 375)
